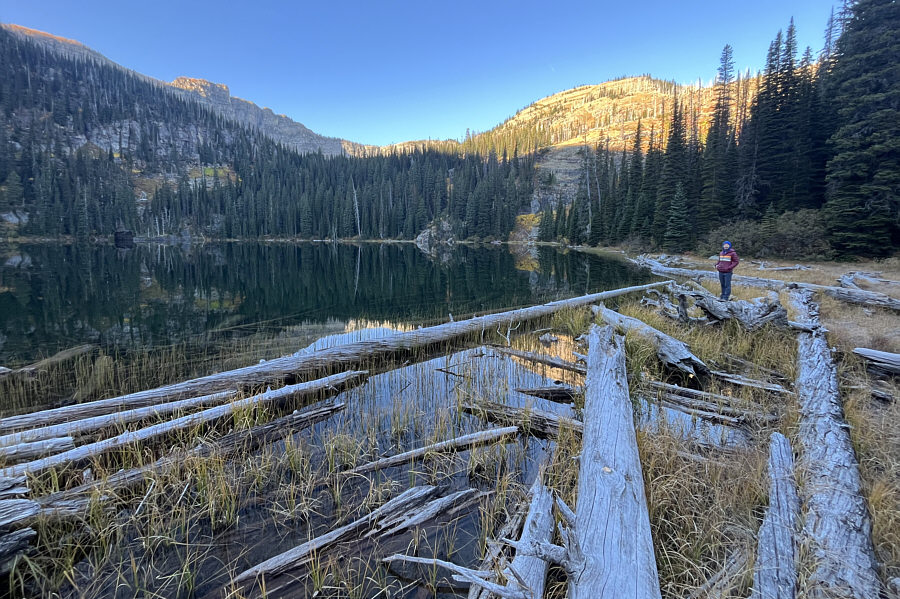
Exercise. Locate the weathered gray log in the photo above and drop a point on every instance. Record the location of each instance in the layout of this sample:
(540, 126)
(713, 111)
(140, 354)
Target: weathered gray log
(538, 423)
(57, 358)
(686, 406)
(752, 314)
(399, 521)
(775, 571)
(554, 393)
(307, 364)
(837, 526)
(89, 425)
(192, 420)
(76, 502)
(541, 359)
(461, 443)
(879, 362)
(411, 498)
(852, 296)
(14, 511)
(742, 381)
(607, 547)
(496, 550)
(671, 351)
(13, 486)
(714, 402)
(463, 574)
(36, 449)
(12, 545)
(737, 362)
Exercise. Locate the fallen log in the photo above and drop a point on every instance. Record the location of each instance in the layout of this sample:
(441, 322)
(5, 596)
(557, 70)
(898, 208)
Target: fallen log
(496, 550)
(685, 406)
(409, 499)
(541, 359)
(775, 570)
(462, 443)
(308, 364)
(449, 505)
(722, 582)
(713, 402)
(607, 547)
(76, 502)
(12, 545)
(13, 486)
(879, 362)
(742, 381)
(752, 314)
(57, 358)
(671, 352)
(159, 430)
(852, 296)
(35, 449)
(89, 425)
(15, 511)
(837, 527)
(554, 393)
(538, 423)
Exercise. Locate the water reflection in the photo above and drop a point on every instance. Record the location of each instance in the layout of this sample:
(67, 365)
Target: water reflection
(54, 296)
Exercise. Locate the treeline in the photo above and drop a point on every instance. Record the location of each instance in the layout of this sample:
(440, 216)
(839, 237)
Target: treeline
(813, 169)
(87, 148)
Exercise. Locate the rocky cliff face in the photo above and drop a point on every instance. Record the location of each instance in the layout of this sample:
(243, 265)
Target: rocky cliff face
(216, 96)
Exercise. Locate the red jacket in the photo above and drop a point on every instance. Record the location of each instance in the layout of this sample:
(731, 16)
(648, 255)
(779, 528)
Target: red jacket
(727, 261)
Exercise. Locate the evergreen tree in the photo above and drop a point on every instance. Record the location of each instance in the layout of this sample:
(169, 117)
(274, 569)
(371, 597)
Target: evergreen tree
(717, 177)
(675, 163)
(678, 229)
(863, 203)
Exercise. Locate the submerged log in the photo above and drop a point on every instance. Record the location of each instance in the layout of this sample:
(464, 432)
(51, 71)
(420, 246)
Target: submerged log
(541, 359)
(852, 296)
(89, 425)
(307, 364)
(775, 571)
(554, 393)
(35, 449)
(879, 362)
(462, 443)
(837, 527)
(538, 423)
(411, 498)
(607, 547)
(671, 351)
(57, 358)
(496, 550)
(76, 502)
(159, 430)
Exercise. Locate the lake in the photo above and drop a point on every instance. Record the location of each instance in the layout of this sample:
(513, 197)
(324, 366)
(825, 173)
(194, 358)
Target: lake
(58, 296)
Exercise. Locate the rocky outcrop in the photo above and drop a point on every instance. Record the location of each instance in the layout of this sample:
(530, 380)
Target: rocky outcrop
(437, 239)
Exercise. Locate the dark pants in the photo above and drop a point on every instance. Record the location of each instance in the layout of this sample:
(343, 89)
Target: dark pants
(725, 282)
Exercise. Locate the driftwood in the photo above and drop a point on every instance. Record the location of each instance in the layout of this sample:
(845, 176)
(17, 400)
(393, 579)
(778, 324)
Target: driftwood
(671, 351)
(852, 296)
(409, 499)
(497, 551)
(879, 362)
(607, 547)
(77, 501)
(13, 486)
(554, 393)
(775, 571)
(714, 402)
(12, 545)
(35, 449)
(837, 527)
(541, 359)
(88, 425)
(159, 430)
(15, 511)
(538, 423)
(688, 406)
(751, 314)
(448, 505)
(57, 358)
(462, 443)
(736, 362)
(723, 581)
(742, 381)
(308, 364)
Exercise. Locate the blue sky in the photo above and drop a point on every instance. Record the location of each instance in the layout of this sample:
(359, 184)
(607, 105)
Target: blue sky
(387, 71)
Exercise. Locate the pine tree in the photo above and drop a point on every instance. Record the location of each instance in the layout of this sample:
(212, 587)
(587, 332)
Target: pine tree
(678, 229)
(717, 177)
(674, 171)
(864, 175)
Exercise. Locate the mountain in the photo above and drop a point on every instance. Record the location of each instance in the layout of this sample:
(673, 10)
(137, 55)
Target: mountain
(215, 96)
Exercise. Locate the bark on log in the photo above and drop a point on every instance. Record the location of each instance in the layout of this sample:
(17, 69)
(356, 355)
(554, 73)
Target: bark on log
(462, 443)
(541, 359)
(88, 425)
(76, 502)
(36, 449)
(852, 296)
(327, 360)
(837, 526)
(12, 486)
(879, 362)
(206, 416)
(409, 499)
(671, 351)
(538, 423)
(14, 511)
(775, 571)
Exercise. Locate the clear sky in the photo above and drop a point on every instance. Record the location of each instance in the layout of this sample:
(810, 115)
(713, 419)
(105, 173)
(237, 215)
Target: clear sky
(388, 71)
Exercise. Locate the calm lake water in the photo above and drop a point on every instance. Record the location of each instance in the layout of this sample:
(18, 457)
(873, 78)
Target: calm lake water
(57, 296)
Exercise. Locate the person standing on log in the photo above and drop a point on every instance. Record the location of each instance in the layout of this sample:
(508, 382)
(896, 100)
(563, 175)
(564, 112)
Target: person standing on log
(726, 263)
